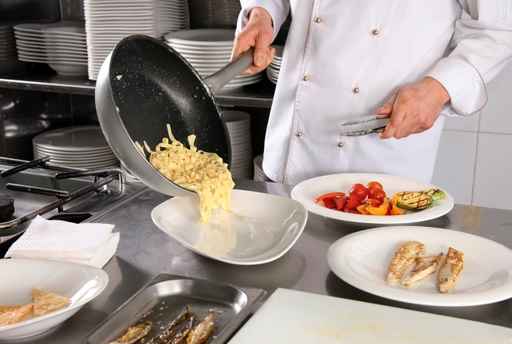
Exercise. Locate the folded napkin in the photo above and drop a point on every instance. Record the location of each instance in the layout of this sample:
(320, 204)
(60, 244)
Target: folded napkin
(86, 243)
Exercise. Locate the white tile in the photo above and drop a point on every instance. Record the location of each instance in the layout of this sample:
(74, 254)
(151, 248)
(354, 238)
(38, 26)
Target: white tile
(455, 164)
(461, 123)
(497, 115)
(493, 182)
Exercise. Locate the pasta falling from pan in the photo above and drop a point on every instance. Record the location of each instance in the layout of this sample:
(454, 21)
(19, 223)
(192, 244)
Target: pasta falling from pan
(196, 170)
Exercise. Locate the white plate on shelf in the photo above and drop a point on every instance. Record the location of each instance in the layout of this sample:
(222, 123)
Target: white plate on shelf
(80, 283)
(259, 229)
(308, 190)
(361, 259)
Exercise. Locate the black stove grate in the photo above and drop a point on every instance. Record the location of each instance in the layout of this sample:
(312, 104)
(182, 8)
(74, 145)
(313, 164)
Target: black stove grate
(99, 182)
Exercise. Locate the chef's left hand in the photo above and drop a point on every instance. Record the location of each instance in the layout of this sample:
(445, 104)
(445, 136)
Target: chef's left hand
(414, 108)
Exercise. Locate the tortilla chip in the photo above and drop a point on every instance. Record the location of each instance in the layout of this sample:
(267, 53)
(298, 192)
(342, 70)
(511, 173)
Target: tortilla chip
(14, 314)
(46, 302)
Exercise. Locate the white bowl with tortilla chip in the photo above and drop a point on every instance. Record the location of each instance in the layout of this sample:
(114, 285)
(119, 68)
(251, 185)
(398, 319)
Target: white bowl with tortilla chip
(37, 295)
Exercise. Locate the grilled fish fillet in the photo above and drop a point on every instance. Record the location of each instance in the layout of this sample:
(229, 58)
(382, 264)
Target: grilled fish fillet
(403, 260)
(451, 268)
(424, 267)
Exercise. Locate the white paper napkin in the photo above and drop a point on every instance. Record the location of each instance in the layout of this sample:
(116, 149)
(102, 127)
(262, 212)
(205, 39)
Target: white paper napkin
(86, 243)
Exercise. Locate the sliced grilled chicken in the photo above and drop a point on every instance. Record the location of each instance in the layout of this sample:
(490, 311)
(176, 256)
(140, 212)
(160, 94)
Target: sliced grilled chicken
(424, 267)
(450, 270)
(404, 260)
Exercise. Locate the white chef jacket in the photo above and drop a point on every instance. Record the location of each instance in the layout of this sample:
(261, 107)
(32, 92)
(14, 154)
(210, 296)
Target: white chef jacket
(345, 58)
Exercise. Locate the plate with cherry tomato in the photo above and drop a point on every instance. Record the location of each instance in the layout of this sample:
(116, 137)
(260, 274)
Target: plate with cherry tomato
(373, 198)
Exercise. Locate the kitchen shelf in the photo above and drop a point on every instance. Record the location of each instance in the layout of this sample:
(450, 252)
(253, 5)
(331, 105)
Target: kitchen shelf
(259, 95)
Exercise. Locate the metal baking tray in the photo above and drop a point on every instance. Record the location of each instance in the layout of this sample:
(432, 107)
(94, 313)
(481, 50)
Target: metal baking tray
(162, 299)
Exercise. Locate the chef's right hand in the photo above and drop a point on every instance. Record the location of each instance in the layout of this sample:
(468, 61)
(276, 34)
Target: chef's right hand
(257, 33)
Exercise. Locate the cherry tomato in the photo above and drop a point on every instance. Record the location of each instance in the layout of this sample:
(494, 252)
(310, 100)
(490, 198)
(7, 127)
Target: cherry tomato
(329, 203)
(360, 191)
(375, 184)
(352, 203)
(376, 194)
(329, 195)
(332, 200)
(340, 202)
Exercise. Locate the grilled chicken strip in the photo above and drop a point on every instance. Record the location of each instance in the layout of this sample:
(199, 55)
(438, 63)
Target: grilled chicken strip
(403, 260)
(424, 267)
(451, 268)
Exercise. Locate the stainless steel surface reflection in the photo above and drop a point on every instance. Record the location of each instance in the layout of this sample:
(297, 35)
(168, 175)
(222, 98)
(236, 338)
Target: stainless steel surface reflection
(145, 252)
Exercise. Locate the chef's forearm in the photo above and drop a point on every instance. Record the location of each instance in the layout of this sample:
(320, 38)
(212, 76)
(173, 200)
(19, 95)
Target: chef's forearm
(278, 10)
(483, 46)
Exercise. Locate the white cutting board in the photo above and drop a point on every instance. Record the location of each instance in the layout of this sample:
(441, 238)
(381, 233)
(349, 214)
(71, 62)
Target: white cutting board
(296, 317)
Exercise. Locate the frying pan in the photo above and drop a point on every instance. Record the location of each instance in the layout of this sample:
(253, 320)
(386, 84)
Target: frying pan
(142, 86)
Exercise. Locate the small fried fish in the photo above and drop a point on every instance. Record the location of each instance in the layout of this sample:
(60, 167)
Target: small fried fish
(451, 268)
(202, 332)
(403, 260)
(134, 333)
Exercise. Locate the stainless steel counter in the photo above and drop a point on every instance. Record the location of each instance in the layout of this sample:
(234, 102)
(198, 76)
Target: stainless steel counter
(145, 251)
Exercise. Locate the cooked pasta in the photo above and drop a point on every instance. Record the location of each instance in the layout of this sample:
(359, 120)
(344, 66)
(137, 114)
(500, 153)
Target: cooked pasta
(202, 172)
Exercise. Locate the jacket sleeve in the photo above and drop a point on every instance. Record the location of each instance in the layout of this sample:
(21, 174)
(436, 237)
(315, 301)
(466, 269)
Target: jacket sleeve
(482, 46)
(278, 10)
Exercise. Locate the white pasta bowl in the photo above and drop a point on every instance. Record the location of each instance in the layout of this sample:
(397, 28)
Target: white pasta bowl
(80, 283)
(260, 228)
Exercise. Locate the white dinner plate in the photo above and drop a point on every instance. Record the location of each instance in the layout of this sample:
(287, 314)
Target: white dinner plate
(308, 190)
(259, 229)
(207, 37)
(361, 259)
(202, 50)
(78, 282)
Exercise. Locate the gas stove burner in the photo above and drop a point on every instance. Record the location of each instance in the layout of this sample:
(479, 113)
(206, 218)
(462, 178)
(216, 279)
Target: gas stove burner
(38, 187)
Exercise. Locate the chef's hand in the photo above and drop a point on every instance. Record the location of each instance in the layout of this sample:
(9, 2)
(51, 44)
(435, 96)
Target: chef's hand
(414, 108)
(258, 33)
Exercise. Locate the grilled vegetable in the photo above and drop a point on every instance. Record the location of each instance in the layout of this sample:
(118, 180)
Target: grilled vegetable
(413, 200)
(436, 194)
(381, 210)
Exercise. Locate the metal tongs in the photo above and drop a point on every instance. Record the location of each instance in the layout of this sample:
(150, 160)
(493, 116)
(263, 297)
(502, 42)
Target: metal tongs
(359, 126)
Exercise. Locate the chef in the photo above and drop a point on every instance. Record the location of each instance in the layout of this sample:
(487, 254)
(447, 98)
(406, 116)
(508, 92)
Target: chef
(415, 61)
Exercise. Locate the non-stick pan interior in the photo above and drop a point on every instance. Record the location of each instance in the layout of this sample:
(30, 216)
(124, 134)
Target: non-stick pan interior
(152, 86)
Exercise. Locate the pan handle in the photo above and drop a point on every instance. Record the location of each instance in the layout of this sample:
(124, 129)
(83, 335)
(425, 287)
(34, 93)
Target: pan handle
(219, 79)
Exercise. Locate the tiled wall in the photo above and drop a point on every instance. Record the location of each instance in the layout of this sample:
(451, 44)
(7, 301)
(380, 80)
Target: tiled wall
(475, 157)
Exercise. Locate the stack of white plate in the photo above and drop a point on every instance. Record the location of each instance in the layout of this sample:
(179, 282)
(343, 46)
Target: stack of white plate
(109, 21)
(208, 50)
(62, 45)
(238, 124)
(8, 58)
(77, 147)
(275, 66)
(259, 175)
